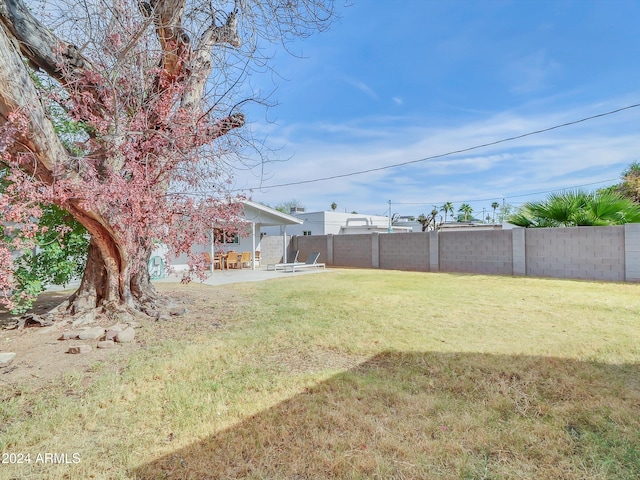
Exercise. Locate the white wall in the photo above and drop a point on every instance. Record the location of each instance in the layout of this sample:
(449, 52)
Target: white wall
(245, 244)
(325, 223)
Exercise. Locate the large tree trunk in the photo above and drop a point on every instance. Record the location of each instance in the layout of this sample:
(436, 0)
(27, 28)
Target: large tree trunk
(116, 277)
(113, 281)
(101, 284)
(147, 117)
(110, 285)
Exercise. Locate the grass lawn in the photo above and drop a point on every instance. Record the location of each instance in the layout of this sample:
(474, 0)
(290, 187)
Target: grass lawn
(354, 374)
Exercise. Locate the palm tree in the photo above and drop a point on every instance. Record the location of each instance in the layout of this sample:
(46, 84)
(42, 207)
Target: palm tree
(446, 208)
(424, 221)
(466, 210)
(494, 205)
(334, 205)
(578, 208)
(434, 212)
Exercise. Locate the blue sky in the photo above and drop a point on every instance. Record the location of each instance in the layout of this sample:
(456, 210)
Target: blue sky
(399, 81)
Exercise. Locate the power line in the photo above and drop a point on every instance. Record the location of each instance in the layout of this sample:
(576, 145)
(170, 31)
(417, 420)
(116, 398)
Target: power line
(512, 196)
(560, 189)
(454, 152)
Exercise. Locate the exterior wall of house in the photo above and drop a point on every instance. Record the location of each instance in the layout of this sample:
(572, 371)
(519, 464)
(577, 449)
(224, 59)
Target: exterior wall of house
(254, 215)
(415, 226)
(596, 253)
(245, 244)
(271, 249)
(314, 222)
(333, 223)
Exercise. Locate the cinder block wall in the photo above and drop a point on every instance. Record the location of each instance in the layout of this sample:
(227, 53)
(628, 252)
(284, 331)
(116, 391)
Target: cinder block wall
(271, 249)
(310, 243)
(404, 251)
(353, 250)
(484, 252)
(592, 253)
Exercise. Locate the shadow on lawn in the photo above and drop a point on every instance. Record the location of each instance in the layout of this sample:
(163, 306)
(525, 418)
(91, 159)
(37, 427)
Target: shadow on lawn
(42, 305)
(435, 415)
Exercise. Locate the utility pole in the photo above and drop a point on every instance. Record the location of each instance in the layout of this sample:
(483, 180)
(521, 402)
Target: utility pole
(389, 230)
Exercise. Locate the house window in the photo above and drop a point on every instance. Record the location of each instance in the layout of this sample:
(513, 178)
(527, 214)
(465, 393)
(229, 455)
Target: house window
(222, 236)
(306, 232)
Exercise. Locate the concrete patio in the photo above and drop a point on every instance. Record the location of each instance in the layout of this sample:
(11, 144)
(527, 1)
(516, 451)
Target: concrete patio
(218, 277)
(223, 277)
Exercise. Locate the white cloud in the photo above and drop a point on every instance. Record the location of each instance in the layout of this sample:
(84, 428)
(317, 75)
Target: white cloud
(363, 87)
(532, 72)
(584, 153)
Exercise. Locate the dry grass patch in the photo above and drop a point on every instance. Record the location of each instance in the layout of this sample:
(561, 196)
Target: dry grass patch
(433, 415)
(355, 374)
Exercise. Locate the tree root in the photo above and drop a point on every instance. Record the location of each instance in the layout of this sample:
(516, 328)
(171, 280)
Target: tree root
(81, 309)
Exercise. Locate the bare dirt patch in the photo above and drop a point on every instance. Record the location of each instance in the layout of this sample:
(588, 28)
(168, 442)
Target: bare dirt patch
(41, 357)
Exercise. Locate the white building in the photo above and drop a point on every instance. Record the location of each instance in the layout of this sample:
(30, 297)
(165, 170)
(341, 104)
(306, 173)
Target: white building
(255, 217)
(336, 223)
(409, 222)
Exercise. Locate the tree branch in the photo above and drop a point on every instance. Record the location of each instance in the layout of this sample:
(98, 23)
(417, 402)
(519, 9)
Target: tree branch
(17, 93)
(38, 44)
(175, 43)
(225, 125)
(200, 63)
(59, 59)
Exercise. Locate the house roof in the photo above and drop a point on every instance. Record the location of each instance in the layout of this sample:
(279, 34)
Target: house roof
(267, 216)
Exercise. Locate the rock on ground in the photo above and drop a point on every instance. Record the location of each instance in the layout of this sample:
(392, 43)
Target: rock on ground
(92, 333)
(85, 319)
(6, 358)
(80, 349)
(125, 336)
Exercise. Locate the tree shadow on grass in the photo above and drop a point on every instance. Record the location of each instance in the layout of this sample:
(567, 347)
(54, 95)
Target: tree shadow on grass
(45, 302)
(435, 415)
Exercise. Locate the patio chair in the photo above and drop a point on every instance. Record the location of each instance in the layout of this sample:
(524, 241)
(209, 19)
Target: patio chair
(312, 262)
(216, 263)
(256, 258)
(207, 260)
(245, 259)
(232, 259)
(282, 266)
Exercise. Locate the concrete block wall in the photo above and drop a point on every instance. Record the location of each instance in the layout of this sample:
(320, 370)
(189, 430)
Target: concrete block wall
(590, 253)
(311, 243)
(519, 251)
(632, 252)
(353, 250)
(483, 252)
(271, 247)
(404, 251)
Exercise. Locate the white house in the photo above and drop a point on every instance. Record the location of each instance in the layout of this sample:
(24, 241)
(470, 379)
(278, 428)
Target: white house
(410, 222)
(337, 223)
(452, 226)
(256, 217)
